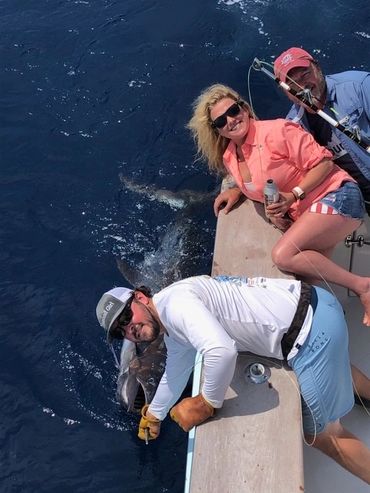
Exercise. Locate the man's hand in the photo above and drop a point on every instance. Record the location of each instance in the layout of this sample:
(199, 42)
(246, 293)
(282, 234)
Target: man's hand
(191, 412)
(149, 426)
(226, 200)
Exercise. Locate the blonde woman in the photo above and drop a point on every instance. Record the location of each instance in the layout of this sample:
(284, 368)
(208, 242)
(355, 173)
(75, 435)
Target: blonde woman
(323, 201)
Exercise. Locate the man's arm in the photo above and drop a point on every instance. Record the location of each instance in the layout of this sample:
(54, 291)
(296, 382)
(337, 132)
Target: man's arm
(202, 332)
(209, 337)
(179, 365)
(206, 335)
(197, 329)
(365, 87)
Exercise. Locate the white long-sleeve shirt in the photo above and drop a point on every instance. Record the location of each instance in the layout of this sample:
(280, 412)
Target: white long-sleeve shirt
(219, 317)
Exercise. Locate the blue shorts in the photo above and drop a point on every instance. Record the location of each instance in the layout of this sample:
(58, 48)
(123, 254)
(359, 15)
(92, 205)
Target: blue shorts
(323, 368)
(347, 200)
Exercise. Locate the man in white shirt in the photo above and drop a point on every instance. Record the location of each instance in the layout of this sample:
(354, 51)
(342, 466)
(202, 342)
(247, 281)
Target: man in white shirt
(279, 318)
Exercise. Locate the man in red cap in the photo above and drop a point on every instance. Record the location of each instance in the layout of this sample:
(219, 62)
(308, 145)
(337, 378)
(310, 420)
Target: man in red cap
(345, 97)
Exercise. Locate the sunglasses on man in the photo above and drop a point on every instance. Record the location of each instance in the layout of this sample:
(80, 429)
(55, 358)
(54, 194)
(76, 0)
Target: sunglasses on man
(117, 331)
(232, 111)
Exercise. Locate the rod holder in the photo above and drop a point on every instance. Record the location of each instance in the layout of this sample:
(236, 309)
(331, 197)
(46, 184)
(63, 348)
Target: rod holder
(257, 373)
(256, 64)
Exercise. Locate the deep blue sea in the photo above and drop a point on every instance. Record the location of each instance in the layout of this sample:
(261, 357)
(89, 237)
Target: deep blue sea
(91, 89)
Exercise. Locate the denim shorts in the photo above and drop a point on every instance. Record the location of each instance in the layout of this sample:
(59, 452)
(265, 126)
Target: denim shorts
(323, 368)
(347, 200)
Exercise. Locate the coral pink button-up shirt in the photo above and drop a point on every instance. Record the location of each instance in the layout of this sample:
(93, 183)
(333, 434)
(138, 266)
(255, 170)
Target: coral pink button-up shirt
(282, 150)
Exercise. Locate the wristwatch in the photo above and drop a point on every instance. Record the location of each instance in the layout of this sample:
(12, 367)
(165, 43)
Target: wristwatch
(298, 193)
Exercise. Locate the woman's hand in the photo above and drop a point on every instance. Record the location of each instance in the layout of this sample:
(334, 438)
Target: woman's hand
(281, 223)
(279, 209)
(226, 200)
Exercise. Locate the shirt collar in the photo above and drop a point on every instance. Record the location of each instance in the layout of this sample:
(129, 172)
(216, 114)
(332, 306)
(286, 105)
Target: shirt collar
(230, 151)
(330, 88)
(250, 138)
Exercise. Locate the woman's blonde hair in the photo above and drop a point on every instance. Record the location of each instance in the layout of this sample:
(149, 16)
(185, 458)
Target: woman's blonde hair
(210, 144)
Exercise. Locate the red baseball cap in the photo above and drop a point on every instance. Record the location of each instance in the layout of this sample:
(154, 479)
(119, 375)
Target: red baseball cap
(291, 58)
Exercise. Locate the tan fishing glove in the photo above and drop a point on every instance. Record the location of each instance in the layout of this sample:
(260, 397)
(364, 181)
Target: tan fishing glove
(149, 426)
(191, 412)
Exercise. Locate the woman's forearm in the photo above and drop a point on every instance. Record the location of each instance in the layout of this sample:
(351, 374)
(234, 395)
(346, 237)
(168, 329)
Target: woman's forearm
(316, 175)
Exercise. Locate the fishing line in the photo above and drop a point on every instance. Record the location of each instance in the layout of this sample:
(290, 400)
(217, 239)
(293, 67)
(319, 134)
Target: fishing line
(268, 362)
(302, 252)
(198, 361)
(281, 367)
(315, 270)
(116, 362)
(318, 273)
(360, 398)
(249, 89)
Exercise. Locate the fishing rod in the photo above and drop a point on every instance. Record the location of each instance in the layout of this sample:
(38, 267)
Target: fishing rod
(305, 97)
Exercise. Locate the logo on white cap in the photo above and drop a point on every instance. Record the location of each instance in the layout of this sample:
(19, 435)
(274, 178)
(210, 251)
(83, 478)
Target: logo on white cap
(106, 311)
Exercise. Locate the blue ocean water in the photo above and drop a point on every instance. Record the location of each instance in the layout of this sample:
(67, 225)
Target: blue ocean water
(91, 89)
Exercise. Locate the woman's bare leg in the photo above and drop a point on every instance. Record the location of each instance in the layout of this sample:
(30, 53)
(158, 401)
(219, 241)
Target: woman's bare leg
(361, 382)
(303, 248)
(314, 280)
(345, 448)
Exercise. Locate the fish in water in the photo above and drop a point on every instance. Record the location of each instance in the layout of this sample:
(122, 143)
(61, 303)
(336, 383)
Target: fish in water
(142, 365)
(172, 260)
(176, 200)
(184, 242)
(141, 368)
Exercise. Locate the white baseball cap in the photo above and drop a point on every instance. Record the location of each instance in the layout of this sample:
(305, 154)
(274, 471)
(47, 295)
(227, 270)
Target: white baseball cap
(111, 304)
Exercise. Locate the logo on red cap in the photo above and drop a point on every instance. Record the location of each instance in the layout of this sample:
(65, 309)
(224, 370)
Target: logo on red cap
(286, 59)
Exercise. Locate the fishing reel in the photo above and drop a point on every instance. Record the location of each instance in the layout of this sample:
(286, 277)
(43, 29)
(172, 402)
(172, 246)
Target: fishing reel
(305, 95)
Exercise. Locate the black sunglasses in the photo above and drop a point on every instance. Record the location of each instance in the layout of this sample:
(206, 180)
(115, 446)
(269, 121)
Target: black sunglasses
(221, 120)
(117, 331)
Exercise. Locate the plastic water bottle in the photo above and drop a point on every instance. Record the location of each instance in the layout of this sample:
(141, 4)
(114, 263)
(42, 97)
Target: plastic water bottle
(271, 192)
